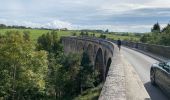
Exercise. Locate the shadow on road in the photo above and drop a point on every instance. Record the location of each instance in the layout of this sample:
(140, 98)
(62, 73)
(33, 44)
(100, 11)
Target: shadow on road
(155, 92)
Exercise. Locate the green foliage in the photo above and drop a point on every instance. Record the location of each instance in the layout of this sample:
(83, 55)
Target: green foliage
(93, 35)
(74, 34)
(49, 42)
(107, 31)
(62, 77)
(40, 70)
(71, 64)
(165, 38)
(145, 38)
(26, 35)
(2, 26)
(67, 75)
(22, 69)
(36, 33)
(84, 33)
(157, 37)
(166, 29)
(70, 76)
(156, 28)
(87, 74)
(152, 38)
(102, 36)
(55, 79)
(90, 94)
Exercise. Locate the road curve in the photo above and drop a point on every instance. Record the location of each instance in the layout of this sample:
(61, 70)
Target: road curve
(142, 64)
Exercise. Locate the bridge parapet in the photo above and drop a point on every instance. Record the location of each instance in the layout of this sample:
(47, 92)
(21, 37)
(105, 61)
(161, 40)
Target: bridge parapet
(98, 41)
(158, 50)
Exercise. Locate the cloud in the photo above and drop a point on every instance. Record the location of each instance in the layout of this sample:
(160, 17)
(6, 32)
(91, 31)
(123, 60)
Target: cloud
(58, 24)
(55, 24)
(119, 28)
(52, 25)
(117, 15)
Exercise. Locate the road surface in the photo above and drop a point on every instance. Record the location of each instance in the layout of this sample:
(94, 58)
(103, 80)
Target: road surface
(141, 64)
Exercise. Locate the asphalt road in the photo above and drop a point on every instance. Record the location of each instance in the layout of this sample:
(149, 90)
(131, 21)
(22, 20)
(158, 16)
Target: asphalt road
(141, 64)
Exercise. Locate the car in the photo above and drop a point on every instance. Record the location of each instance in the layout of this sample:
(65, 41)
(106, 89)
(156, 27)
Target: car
(160, 76)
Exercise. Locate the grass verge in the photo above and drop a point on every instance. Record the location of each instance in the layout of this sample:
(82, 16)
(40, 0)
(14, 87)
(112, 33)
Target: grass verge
(90, 94)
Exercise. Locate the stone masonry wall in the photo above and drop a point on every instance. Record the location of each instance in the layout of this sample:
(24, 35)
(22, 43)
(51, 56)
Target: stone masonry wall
(163, 51)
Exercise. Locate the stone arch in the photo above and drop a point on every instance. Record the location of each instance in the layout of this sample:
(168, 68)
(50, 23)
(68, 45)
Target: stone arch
(69, 45)
(105, 56)
(90, 51)
(108, 66)
(95, 49)
(73, 45)
(80, 47)
(85, 46)
(99, 64)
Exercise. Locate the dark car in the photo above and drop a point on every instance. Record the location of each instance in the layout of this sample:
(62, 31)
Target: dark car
(160, 75)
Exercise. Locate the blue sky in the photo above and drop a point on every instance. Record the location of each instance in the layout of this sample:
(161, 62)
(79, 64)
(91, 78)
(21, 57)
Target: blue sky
(115, 15)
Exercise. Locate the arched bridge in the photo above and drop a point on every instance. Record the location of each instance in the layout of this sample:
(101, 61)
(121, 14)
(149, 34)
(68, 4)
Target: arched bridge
(100, 51)
(118, 68)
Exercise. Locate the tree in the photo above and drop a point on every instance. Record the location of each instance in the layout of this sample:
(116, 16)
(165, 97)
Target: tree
(165, 36)
(107, 31)
(67, 74)
(81, 33)
(74, 34)
(87, 73)
(62, 78)
(26, 35)
(166, 29)
(49, 42)
(93, 35)
(165, 39)
(71, 64)
(156, 28)
(2, 26)
(157, 37)
(22, 69)
(86, 34)
(144, 38)
(62, 69)
(102, 36)
(71, 76)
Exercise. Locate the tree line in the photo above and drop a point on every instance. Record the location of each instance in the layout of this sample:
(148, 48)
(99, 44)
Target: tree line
(3, 26)
(41, 70)
(157, 35)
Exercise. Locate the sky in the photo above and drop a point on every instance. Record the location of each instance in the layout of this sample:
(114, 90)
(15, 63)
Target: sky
(115, 15)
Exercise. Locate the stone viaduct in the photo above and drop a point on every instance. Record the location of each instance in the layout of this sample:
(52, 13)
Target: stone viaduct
(100, 51)
(113, 68)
